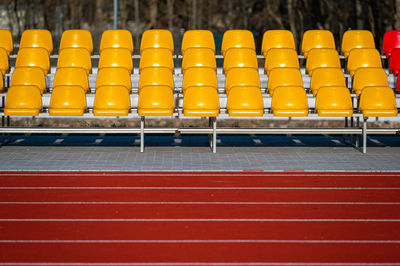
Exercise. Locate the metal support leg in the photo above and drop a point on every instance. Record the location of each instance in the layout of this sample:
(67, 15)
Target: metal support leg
(364, 150)
(351, 125)
(357, 137)
(142, 134)
(214, 137)
(2, 134)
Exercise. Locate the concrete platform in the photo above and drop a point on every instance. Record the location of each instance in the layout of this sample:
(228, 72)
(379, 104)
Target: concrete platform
(191, 153)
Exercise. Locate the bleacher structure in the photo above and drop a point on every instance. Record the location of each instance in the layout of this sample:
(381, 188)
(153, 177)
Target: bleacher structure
(160, 83)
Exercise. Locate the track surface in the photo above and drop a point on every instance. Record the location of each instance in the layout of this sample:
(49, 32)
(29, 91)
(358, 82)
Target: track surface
(199, 218)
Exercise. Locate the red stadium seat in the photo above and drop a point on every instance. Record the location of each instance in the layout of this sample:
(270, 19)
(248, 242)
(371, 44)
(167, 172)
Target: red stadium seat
(395, 62)
(398, 85)
(391, 41)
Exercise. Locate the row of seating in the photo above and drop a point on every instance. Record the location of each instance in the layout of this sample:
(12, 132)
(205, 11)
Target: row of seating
(156, 97)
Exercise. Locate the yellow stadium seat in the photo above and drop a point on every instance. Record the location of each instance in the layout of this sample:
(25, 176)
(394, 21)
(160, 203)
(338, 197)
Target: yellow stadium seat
(363, 57)
(237, 39)
(116, 57)
(114, 76)
(242, 77)
(326, 76)
(156, 101)
(201, 101)
(240, 58)
(37, 38)
(116, 39)
(277, 39)
(369, 76)
(77, 39)
(356, 39)
(198, 39)
(33, 57)
(23, 101)
(378, 101)
(71, 76)
(111, 101)
(29, 76)
(322, 58)
(281, 57)
(200, 77)
(317, 39)
(334, 101)
(67, 101)
(156, 58)
(75, 57)
(1, 83)
(289, 101)
(282, 77)
(6, 41)
(4, 66)
(199, 57)
(156, 76)
(157, 39)
(245, 101)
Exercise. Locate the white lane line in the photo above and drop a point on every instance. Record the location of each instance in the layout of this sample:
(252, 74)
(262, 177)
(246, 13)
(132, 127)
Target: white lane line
(219, 141)
(257, 141)
(200, 264)
(192, 203)
(18, 141)
(336, 141)
(58, 141)
(137, 141)
(199, 220)
(376, 141)
(297, 141)
(204, 241)
(200, 188)
(98, 141)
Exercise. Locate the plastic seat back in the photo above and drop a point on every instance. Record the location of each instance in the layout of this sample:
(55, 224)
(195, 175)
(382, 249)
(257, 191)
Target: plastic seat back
(67, 101)
(156, 101)
(201, 102)
(75, 57)
(242, 77)
(378, 101)
(33, 57)
(116, 57)
(114, 76)
(157, 39)
(156, 76)
(334, 101)
(317, 39)
(245, 101)
(6, 41)
(326, 77)
(198, 39)
(4, 66)
(77, 39)
(156, 58)
(289, 101)
(71, 76)
(363, 57)
(277, 39)
(111, 101)
(199, 57)
(282, 77)
(395, 62)
(369, 76)
(29, 76)
(37, 38)
(281, 57)
(391, 41)
(237, 39)
(199, 77)
(116, 39)
(23, 101)
(357, 39)
(240, 57)
(322, 58)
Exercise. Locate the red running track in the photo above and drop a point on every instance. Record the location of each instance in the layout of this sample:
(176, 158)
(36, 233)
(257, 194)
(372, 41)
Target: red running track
(199, 218)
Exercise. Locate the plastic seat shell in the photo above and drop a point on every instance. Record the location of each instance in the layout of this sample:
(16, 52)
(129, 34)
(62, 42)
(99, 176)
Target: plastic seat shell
(289, 101)
(325, 77)
(37, 38)
(322, 58)
(201, 101)
(198, 39)
(75, 57)
(116, 39)
(71, 76)
(157, 38)
(281, 57)
(199, 77)
(67, 101)
(240, 57)
(391, 41)
(334, 101)
(114, 76)
(23, 101)
(116, 57)
(317, 39)
(199, 57)
(77, 39)
(353, 39)
(242, 77)
(277, 39)
(282, 77)
(369, 76)
(363, 57)
(245, 101)
(33, 57)
(156, 101)
(156, 76)
(111, 101)
(156, 58)
(29, 76)
(6, 41)
(237, 39)
(378, 101)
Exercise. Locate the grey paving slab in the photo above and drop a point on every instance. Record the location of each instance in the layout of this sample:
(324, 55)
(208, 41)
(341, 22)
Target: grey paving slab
(235, 153)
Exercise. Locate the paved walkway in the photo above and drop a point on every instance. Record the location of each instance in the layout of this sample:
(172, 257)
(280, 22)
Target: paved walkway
(234, 153)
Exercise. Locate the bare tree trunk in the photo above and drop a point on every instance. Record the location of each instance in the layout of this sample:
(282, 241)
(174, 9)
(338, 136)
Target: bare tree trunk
(99, 16)
(292, 21)
(397, 15)
(170, 13)
(194, 14)
(230, 14)
(360, 15)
